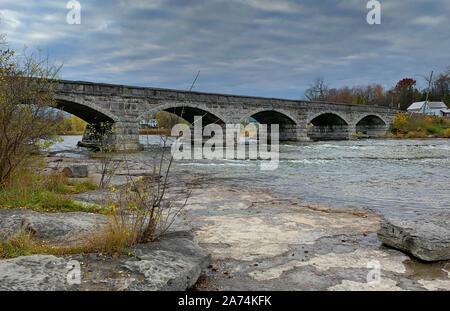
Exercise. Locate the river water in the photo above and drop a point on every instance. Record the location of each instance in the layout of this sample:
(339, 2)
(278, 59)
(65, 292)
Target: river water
(393, 177)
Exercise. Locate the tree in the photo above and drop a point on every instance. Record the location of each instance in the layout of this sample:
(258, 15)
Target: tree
(317, 91)
(378, 92)
(27, 85)
(74, 124)
(360, 100)
(441, 86)
(405, 92)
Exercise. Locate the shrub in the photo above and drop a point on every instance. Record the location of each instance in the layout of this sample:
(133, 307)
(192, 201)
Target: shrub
(142, 210)
(433, 128)
(418, 126)
(447, 133)
(358, 135)
(27, 86)
(416, 134)
(400, 122)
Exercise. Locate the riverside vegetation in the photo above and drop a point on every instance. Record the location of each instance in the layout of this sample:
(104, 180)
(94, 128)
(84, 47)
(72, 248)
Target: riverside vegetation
(139, 211)
(420, 126)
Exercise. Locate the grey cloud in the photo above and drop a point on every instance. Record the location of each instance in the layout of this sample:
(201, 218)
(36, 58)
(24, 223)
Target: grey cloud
(255, 47)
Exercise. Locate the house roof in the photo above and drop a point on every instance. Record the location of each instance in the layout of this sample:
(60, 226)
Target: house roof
(416, 106)
(437, 105)
(431, 105)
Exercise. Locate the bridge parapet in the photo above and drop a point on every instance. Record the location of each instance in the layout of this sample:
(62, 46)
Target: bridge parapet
(102, 89)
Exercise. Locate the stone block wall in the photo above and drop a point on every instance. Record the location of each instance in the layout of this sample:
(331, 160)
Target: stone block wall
(127, 105)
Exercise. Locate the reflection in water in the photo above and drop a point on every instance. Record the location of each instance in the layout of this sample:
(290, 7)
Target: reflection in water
(404, 177)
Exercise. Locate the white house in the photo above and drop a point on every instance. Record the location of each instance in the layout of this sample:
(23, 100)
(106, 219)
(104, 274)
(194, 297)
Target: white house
(152, 123)
(428, 108)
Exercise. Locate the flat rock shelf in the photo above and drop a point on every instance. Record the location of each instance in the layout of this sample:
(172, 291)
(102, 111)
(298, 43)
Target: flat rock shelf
(172, 264)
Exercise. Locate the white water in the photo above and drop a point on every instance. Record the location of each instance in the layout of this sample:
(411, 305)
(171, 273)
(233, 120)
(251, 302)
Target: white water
(405, 177)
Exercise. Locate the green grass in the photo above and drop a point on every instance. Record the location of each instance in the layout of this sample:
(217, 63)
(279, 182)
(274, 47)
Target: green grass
(41, 200)
(80, 187)
(434, 128)
(46, 193)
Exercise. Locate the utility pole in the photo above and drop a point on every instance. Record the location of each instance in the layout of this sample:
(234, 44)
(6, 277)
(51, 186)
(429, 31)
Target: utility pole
(428, 91)
(429, 85)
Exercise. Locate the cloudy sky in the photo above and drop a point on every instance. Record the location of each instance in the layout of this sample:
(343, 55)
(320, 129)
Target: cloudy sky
(269, 48)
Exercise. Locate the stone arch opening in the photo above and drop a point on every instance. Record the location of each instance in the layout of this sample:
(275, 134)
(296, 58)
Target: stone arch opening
(84, 112)
(155, 125)
(287, 126)
(165, 117)
(371, 126)
(328, 126)
(189, 113)
(99, 123)
(184, 114)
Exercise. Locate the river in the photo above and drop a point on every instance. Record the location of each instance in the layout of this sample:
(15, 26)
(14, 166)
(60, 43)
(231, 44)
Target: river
(393, 177)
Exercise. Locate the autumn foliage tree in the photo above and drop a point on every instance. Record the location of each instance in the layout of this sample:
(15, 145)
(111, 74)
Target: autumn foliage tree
(402, 84)
(27, 85)
(405, 92)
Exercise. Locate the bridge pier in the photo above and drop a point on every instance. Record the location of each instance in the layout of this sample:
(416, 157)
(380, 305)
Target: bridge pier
(302, 133)
(122, 137)
(288, 132)
(127, 136)
(351, 131)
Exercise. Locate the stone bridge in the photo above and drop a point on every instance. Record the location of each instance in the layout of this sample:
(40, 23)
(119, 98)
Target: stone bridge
(126, 106)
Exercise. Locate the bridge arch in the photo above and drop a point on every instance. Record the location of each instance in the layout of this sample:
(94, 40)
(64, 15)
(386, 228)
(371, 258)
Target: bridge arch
(187, 112)
(328, 125)
(88, 112)
(287, 123)
(96, 117)
(372, 125)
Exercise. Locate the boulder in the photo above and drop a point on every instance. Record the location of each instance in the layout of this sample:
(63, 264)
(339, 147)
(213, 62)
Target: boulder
(425, 238)
(172, 264)
(58, 228)
(76, 171)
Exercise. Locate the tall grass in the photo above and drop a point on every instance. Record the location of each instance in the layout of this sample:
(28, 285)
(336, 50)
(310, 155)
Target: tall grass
(25, 245)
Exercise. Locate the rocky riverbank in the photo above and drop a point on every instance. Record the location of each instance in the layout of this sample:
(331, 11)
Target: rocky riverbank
(261, 242)
(257, 241)
(172, 264)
